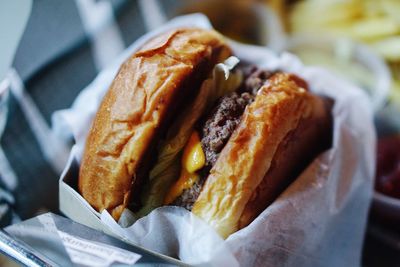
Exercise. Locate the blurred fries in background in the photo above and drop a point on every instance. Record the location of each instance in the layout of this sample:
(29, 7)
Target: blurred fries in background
(375, 23)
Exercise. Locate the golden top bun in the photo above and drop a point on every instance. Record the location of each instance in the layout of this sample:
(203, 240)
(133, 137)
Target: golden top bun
(148, 91)
(276, 135)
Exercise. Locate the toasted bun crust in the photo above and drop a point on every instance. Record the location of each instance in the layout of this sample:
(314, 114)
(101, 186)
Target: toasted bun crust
(137, 108)
(264, 154)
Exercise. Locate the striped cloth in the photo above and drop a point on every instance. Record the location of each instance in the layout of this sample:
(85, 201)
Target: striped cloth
(65, 45)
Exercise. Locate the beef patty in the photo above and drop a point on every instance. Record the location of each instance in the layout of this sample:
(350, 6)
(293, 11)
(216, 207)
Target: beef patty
(218, 125)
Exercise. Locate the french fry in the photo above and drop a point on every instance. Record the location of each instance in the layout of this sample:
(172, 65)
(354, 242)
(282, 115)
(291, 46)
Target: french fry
(389, 48)
(373, 28)
(314, 14)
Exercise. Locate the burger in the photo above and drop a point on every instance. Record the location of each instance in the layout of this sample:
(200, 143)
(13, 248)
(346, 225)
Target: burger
(186, 123)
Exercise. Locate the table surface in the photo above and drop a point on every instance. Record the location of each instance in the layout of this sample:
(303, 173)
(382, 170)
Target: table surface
(55, 61)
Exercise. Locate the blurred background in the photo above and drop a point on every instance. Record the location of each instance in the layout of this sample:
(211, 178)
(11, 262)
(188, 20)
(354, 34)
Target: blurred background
(66, 43)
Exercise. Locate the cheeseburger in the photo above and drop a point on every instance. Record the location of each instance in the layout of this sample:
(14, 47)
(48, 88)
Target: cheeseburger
(186, 123)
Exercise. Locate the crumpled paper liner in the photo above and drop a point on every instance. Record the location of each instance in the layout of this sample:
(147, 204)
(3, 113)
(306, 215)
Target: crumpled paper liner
(319, 220)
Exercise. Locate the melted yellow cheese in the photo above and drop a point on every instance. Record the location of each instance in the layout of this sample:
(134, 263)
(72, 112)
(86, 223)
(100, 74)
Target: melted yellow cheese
(185, 181)
(193, 159)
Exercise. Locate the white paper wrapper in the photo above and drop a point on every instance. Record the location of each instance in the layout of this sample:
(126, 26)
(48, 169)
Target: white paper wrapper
(320, 218)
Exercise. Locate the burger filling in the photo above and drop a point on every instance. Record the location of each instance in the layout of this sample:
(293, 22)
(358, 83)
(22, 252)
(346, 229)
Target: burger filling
(195, 139)
(214, 130)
